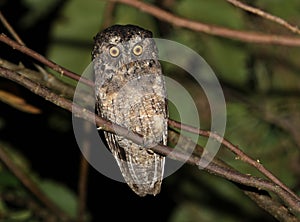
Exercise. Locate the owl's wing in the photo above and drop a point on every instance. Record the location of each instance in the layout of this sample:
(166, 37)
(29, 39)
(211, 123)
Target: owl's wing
(141, 168)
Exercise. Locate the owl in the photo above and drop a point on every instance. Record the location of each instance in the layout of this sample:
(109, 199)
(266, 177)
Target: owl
(130, 91)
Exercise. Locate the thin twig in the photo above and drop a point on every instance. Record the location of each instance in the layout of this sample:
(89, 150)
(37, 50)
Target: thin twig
(275, 208)
(265, 15)
(50, 81)
(19, 40)
(213, 168)
(83, 177)
(30, 185)
(108, 14)
(42, 59)
(10, 29)
(235, 150)
(244, 36)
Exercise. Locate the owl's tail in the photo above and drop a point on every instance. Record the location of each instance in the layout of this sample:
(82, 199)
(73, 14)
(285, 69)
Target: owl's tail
(143, 171)
(141, 168)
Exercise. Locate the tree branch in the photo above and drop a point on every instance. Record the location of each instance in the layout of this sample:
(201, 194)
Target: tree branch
(42, 59)
(261, 198)
(10, 29)
(213, 168)
(244, 36)
(244, 157)
(108, 14)
(48, 79)
(265, 15)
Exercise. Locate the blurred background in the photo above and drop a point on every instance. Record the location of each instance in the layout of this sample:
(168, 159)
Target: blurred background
(261, 84)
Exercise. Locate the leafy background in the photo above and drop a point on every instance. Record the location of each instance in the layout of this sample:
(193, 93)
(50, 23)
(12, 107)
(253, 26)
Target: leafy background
(261, 85)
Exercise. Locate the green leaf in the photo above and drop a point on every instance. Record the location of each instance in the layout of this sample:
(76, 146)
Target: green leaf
(22, 215)
(60, 195)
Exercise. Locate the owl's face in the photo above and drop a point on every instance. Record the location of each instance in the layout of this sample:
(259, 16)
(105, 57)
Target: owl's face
(119, 45)
(124, 50)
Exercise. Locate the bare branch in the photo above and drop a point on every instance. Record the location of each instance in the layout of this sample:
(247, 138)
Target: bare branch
(261, 198)
(244, 157)
(213, 168)
(244, 36)
(18, 39)
(108, 14)
(47, 80)
(42, 59)
(10, 29)
(265, 15)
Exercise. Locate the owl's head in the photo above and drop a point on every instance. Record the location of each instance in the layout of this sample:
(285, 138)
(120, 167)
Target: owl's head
(122, 54)
(124, 43)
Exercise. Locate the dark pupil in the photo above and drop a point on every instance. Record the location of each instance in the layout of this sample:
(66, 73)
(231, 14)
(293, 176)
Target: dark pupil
(137, 50)
(114, 51)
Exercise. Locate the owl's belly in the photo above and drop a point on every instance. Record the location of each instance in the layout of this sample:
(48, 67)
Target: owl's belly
(145, 115)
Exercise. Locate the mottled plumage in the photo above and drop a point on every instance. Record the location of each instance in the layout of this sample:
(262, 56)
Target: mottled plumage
(130, 91)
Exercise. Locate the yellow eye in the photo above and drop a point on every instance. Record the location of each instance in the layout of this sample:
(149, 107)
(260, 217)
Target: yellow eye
(114, 51)
(137, 50)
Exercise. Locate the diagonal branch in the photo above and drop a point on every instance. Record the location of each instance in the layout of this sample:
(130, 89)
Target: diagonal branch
(10, 29)
(213, 168)
(42, 59)
(245, 36)
(235, 150)
(265, 15)
(260, 197)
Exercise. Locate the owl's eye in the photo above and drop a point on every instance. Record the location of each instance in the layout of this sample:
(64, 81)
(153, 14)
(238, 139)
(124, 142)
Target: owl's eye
(137, 50)
(114, 51)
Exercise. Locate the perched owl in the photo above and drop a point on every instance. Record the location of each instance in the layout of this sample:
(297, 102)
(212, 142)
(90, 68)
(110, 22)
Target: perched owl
(130, 91)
